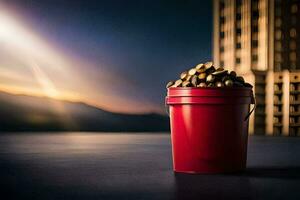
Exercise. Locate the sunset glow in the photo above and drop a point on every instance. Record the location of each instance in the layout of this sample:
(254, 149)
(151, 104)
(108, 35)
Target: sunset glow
(27, 49)
(45, 82)
(99, 56)
(31, 66)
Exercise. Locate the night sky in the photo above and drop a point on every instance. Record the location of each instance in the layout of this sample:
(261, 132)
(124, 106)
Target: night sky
(133, 48)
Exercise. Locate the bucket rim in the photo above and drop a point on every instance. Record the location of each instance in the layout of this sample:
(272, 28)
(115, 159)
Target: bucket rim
(194, 91)
(210, 88)
(209, 92)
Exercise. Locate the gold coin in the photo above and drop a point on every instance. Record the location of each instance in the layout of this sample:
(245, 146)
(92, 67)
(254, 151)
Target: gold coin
(183, 75)
(208, 64)
(192, 71)
(178, 83)
(186, 84)
(210, 78)
(237, 84)
(248, 85)
(194, 80)
(202, 76)
(210, 70)
(201, 69)
(220, 69)
(228, 83)
(170, 84)
(240, 79)
(216, 73)
(233, 73)
(224, 78)
(188, 78)
(203, 84)
(219, 84)
(199, 66)
(211, 85)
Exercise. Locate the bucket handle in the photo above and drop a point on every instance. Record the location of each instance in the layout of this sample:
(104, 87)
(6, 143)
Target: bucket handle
(167, 108)
(254, 106)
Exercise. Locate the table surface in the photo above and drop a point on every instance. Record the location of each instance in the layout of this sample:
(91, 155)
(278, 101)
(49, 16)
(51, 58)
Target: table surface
(137, 166)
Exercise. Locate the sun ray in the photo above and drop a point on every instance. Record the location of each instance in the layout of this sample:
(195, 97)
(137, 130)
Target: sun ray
(44, 81)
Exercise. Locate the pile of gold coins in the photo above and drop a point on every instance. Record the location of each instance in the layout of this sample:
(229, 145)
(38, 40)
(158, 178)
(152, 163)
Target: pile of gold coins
(206, 75)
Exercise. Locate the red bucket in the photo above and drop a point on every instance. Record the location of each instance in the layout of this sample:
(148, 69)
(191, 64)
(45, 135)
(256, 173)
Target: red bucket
(209, 128)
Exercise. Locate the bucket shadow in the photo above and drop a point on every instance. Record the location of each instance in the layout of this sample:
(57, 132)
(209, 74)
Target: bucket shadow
(239, 185)
(189, 186)
(280, 172)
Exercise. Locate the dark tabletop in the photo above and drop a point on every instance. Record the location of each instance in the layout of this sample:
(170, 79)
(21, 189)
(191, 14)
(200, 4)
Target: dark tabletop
(137, 166)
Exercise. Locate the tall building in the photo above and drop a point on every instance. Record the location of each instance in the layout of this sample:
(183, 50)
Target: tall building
(260, 39)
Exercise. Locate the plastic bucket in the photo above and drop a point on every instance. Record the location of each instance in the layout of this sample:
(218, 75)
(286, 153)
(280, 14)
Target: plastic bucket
(209, 128)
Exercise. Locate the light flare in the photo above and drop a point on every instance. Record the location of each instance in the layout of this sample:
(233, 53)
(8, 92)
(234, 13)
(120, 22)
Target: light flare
(72, 81)
(25, 43)
(44, 81)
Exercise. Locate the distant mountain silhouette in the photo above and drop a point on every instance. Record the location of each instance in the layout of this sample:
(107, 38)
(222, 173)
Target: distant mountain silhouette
(28, 113)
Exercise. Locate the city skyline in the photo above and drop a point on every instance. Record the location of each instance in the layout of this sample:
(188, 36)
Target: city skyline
(259, 39)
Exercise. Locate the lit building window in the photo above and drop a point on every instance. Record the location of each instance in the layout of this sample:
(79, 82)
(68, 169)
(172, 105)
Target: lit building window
(254, 43)
(254, 22)
(238, 16)
(254, 36)
(222, 20)
(293, 33)
(255, 14)
(254, 5)
(277, 65)
(222, 49)
(293, 65)
(278, 11)
(222, 34)
(222, 5)
(222, 13)
(293, 45)
(254, 58)
(293, 56)
(278, 57)
(278, 22)
(294, 8)
(278, 34)
(278, 46)
(238, 9)
(255, 29)
(293, 20)
(221, 63)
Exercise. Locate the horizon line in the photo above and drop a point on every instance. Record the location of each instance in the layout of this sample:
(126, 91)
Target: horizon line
(2, 90)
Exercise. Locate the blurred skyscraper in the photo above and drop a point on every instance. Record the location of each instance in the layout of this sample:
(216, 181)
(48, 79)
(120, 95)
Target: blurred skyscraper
(260, 39)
